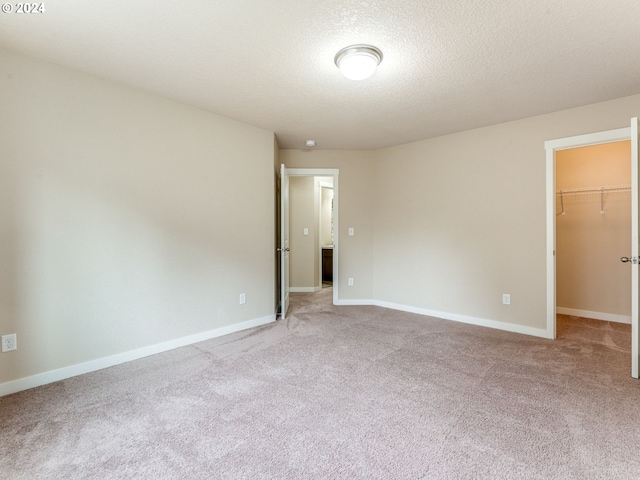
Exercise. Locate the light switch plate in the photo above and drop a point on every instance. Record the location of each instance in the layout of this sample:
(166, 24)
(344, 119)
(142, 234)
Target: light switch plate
(306, 231)
(351, 231)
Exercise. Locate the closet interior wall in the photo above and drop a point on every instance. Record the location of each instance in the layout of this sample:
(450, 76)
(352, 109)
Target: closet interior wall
(593, 230)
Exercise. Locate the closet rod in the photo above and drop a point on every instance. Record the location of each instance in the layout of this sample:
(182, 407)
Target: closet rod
(590, 190)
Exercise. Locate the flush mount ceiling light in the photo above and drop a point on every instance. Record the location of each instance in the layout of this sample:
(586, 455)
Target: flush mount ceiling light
(310, 143)
(358, 62)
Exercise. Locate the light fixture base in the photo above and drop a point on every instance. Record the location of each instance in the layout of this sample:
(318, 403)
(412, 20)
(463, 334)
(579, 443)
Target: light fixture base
(358, 62)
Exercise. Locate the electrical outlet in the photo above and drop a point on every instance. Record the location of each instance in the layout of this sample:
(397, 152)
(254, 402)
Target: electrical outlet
(243, 299)
(9, 343)
(350, 282)
(506, 299)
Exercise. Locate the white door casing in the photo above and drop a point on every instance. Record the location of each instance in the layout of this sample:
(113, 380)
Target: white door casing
(635, 312)
(284, 241)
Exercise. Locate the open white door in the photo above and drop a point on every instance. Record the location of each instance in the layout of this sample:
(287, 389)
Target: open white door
(284, 240)
(635, 251)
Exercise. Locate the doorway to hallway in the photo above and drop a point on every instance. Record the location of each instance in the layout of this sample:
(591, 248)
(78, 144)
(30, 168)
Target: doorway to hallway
(287, 246)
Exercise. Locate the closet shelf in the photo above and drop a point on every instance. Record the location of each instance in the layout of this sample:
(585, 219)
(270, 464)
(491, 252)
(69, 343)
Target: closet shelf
(590, 190)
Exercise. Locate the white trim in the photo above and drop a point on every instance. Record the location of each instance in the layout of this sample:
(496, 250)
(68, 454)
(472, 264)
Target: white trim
(305, 289)
(482, 322)
(551, 241)
(335, 277)
(551, 147)
(635, 354)
(353, 301)
(589, 139)
(112, 360)
(608, 317)
(314, 172)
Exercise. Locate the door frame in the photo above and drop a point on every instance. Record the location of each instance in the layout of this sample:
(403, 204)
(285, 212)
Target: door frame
(334, 173)
(551, 147)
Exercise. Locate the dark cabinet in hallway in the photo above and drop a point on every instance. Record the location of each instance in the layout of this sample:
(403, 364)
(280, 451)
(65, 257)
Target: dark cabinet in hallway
(327, 264)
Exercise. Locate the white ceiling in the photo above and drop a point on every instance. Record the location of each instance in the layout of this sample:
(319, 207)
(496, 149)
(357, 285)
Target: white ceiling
(449, 65)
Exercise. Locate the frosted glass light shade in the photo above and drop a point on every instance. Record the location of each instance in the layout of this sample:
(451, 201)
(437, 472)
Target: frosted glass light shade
(358, 62)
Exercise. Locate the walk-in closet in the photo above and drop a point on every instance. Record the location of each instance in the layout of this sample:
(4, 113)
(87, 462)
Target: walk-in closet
(593, 232)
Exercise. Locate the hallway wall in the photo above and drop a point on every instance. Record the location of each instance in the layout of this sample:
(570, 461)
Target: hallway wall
(303, 213)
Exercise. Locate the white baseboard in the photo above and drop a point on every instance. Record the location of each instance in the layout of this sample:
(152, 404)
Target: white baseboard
(112, 360)
(354, 302)
(304, 289)
(609, 317)
(483, 322)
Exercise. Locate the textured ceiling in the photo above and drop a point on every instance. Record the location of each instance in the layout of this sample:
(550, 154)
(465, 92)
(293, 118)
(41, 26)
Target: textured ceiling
(448, 65)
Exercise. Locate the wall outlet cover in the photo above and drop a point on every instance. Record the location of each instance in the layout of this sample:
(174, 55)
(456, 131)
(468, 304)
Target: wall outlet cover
(9, 343)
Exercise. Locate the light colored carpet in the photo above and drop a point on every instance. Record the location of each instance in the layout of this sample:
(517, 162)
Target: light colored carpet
(340, 392)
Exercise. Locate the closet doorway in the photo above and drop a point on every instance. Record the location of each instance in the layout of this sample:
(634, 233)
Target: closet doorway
(591, 208)
(593, 229)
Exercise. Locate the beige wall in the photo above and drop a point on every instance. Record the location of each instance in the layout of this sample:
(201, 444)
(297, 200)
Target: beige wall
(126, 220)
(303, 213)
(326, 214)
(590, 276)
(355, 187)
(459, 220)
